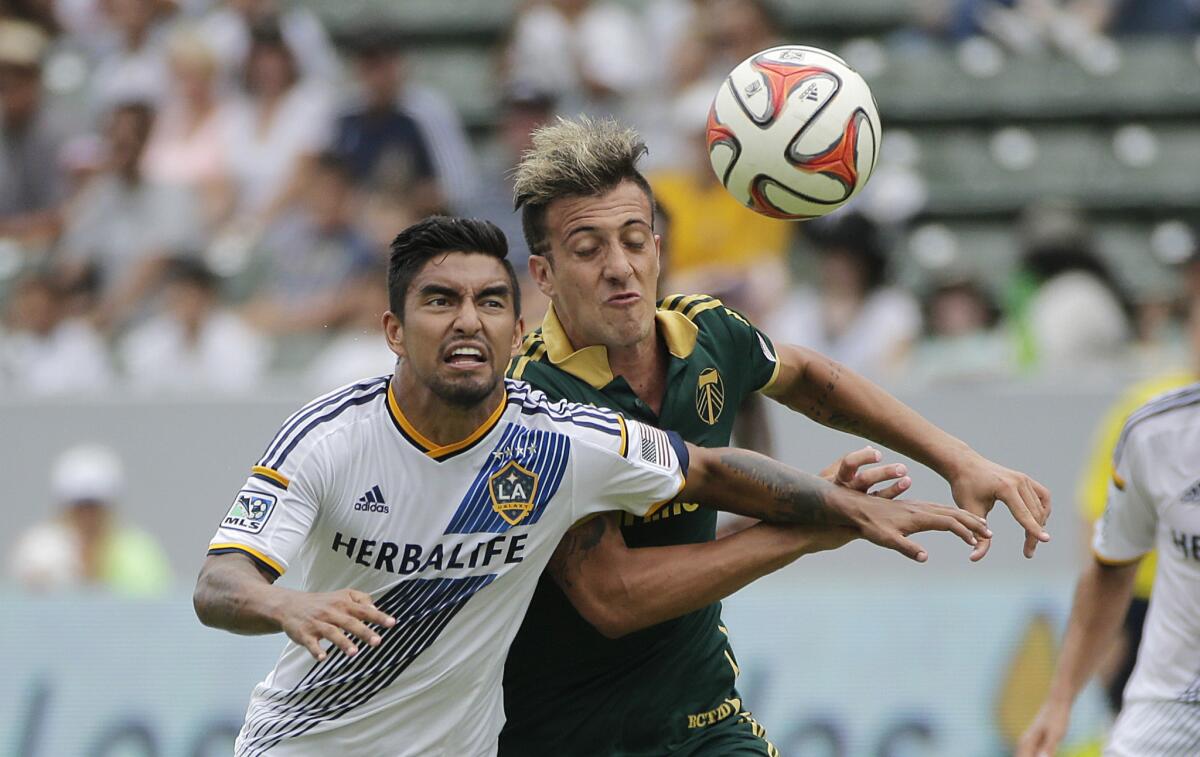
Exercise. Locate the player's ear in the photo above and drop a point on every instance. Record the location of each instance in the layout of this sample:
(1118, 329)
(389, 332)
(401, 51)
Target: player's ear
(393, 331)
(542, 274)
(518, 334)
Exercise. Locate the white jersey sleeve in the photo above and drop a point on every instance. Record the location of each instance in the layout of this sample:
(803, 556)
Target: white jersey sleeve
(639, 472)
(271, 515)
(1126, 530)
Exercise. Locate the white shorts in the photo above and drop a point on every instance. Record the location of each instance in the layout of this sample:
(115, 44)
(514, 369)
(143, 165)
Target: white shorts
(1156, 729)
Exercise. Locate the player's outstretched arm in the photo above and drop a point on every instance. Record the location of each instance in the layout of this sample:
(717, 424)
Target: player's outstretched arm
(834, 395)
(747, 483)
(1101, 600)
(234, 595)
(621, 590)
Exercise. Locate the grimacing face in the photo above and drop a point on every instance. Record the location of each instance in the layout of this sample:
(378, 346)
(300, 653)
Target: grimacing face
(460, 327)
(602, 269)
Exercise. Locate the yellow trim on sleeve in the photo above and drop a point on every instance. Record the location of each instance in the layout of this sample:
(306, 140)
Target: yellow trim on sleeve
(1117, 480)
(624, 435)
(774, 376)
(252, 552)
(707, 306)
(681, 304)
(1116, 563)
(272, 474)
(660, 505)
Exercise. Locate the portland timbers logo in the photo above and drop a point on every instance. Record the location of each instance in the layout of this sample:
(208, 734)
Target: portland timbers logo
(512, 489)
(710, 396)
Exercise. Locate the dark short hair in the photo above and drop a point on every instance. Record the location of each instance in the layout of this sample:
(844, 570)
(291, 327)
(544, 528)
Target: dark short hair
(191, 270)
(853, 234)
(439, 236)
(268, 35)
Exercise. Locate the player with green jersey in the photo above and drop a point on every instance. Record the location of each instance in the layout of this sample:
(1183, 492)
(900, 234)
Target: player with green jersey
(622, 651)
(684, 666)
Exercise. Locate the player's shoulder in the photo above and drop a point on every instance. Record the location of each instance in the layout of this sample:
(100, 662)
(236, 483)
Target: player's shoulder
(1169, 412)
(699, 308)
(534, 409)
(532, 364)
(709, 315)
(322, 417)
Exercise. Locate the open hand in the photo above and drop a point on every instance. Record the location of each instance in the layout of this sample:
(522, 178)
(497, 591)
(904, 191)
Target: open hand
(849, 471)
(979, 484)
(889, 524)
(309, 619)
(1042, 737)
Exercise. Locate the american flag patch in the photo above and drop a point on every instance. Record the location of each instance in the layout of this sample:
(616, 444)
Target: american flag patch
(656, 449)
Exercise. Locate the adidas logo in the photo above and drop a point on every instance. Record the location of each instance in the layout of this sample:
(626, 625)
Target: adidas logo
(810, 93)
(372, 501)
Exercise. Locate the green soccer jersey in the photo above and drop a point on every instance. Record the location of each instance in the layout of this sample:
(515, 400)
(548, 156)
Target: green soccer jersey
(569, 690)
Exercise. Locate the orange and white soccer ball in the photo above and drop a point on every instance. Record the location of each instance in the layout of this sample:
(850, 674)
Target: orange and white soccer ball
(793, 132)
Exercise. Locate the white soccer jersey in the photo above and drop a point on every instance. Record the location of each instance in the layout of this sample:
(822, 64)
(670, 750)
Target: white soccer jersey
(1154, 503)
(449, 540)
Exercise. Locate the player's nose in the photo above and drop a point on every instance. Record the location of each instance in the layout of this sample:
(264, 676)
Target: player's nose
(467, 320)
(617, 265)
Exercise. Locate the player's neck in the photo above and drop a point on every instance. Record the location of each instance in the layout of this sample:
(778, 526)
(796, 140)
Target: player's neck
(434, 418)
(643, 366)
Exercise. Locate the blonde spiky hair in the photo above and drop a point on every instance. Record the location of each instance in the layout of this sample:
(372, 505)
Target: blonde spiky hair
(571, 157)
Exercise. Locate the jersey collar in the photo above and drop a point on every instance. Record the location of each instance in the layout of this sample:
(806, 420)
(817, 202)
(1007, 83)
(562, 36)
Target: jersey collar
(432, 449)
(590, 364)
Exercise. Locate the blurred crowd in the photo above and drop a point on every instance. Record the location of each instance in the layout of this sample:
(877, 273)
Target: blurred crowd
(199, 194)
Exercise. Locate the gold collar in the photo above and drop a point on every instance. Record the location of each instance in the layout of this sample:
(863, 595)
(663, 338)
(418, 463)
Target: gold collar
(590, 363)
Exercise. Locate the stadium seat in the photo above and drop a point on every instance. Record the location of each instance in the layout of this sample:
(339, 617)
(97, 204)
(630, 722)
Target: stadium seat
(1154, 78)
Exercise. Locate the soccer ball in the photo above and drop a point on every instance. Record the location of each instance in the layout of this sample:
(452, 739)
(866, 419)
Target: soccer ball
(793, 132)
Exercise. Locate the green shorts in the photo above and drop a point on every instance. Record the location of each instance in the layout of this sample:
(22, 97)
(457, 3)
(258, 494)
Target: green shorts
(738, 735)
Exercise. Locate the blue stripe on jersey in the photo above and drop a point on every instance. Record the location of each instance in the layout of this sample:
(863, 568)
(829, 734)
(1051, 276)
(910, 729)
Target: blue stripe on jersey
(540, 410)
(314, 407)
(535, 400)
(332, 413)
(422, 607)
(543, 453)
(681, 451)
(1172, 400)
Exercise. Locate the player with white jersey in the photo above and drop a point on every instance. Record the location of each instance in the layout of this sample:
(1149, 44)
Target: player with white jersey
(346, 491)
(420, 508)
(1153, 503)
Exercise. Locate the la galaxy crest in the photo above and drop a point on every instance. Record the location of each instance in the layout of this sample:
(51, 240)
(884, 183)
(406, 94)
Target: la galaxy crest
(512, 489)
(710, 396)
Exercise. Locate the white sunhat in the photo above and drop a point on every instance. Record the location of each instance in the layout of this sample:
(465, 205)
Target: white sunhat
(90, 472)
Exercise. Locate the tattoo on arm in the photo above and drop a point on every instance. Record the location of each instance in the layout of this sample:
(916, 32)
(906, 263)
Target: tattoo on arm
(221, 600)
(822, 407)
(787, 495)
(575, 547)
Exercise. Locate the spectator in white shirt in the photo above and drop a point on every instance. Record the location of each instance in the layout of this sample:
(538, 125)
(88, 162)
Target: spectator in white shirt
(122, 226)
(229, 31)
(194, 344)
(134, 67)
(270, 133)
(44, 351)
(853, 314)
(590, 55)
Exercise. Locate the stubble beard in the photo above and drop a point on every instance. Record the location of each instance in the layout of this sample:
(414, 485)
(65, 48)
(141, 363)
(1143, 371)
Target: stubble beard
(463, 394)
